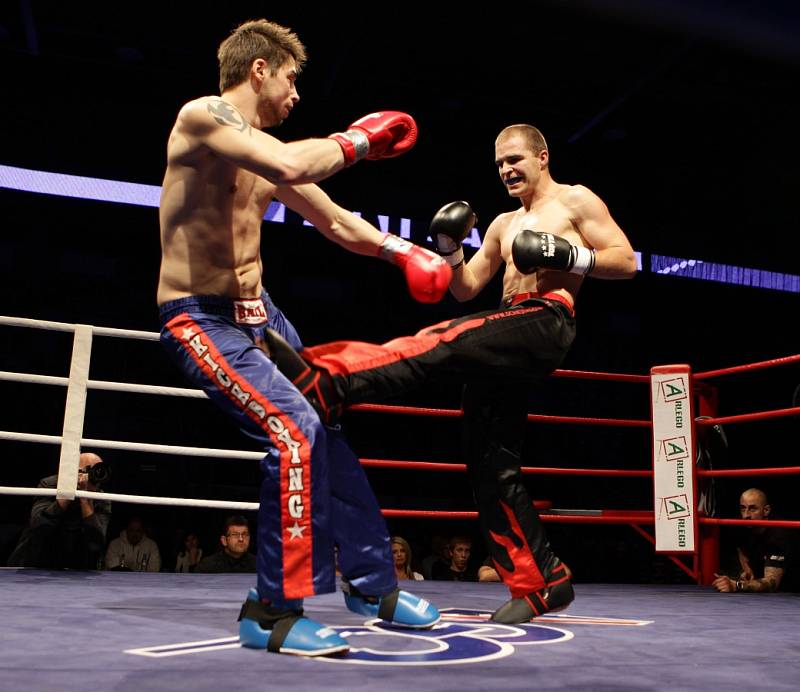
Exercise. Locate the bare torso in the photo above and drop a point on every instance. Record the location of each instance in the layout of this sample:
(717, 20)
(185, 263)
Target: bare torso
(211, 215)
(556, 215)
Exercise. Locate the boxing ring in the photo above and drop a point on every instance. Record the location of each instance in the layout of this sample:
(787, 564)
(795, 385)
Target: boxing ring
(125, 631)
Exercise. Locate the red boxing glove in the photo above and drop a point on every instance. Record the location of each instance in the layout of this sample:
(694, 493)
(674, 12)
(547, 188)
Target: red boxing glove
(377, 136)
(427, 274)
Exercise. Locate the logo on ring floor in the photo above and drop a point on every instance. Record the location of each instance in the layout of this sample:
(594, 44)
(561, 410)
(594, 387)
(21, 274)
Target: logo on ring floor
(470, 639)
(464, 636)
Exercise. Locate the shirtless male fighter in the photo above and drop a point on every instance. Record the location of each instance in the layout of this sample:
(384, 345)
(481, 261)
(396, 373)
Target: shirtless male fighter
(558, 236)
(222, 173)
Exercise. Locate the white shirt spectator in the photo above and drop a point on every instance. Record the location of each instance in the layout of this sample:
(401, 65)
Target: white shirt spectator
(133, 550)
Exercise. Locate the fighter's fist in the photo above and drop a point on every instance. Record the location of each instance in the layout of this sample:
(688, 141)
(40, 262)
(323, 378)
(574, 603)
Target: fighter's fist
(532, 250)
(725, 584)
(451, 224)
(427, 274)
(377, 136)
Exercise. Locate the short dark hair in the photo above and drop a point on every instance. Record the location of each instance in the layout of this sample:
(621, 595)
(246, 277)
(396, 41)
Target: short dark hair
(255, 39)
(235, 520)
(455, 540)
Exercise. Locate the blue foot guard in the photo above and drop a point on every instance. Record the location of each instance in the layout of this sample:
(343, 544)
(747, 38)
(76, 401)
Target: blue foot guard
(285, 631)
(398, 607)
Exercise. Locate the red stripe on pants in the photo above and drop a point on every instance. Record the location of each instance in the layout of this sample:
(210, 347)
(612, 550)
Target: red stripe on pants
(293, 446)
(349, 357)
(526, 576)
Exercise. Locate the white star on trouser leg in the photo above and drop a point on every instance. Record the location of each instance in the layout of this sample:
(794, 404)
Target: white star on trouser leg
(296, 531)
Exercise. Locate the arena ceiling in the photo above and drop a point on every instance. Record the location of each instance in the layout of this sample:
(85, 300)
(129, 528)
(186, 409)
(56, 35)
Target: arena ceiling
(680, 114)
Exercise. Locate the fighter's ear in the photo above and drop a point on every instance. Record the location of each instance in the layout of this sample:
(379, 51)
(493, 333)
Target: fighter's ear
(544, 157)
(767, 510)
(259, 69)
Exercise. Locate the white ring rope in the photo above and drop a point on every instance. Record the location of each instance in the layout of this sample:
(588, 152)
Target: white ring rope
(138, 446)
(137, 499)
(71, 440)
(30, 378)
(66, 327)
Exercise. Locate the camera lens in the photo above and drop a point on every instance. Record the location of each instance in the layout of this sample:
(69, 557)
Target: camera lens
(99, 473)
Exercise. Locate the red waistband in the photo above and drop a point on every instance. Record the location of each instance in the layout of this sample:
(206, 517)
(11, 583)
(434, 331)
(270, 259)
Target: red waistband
(520, 297)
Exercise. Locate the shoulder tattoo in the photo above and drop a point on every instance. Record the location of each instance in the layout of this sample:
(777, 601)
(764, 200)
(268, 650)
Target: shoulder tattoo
(227, 115)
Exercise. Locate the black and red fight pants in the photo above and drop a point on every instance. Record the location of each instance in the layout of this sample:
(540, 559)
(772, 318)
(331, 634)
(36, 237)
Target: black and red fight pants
(497, 354)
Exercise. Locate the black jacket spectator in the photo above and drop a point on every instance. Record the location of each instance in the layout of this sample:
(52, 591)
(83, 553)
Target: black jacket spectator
(222, 562)
(59, 537)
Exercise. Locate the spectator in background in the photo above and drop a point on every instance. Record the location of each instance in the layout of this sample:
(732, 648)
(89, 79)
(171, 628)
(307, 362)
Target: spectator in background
(191, 555)
(234, 555)
(458, 569)
(133, 551)
(440, 553)
(487, 572)
(401, 552)
(767, 555)
(63, 533)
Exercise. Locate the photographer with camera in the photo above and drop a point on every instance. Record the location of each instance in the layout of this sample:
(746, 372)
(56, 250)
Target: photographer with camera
(67, 534)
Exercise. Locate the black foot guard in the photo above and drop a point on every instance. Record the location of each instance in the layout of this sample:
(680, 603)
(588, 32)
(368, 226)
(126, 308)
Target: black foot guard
(314, 382)
(556, 595)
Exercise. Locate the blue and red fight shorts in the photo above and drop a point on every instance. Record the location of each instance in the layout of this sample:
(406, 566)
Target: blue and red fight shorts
(314, 492)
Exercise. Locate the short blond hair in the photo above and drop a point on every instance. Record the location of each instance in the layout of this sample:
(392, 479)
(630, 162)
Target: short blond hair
(255, 39)
(532, 135)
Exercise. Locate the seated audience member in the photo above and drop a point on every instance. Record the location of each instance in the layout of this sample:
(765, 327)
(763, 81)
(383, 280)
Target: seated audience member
(767, 555)
(458, 569)
(401, 552)
(191, 555)
(133, 551)
(62, 533)
(234, 555)
(440, 552)
(487, 572)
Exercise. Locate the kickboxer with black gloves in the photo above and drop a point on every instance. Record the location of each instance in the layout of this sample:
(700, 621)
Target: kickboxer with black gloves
(449, 227)
(547, 246)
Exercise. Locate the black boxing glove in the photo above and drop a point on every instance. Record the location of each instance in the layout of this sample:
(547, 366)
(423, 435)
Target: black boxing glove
(449, 226)
(532, 250)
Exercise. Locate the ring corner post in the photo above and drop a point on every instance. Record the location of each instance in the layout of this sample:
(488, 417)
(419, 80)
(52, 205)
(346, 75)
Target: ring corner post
(674, 501)
(708, 554)
(74, 413)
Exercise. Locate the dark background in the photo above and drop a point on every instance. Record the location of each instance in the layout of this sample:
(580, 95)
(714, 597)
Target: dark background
(682, 116)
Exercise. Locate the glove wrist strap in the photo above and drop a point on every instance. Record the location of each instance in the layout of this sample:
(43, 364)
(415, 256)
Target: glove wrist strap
(392, 249)
(354, 143)
(454, 259)
(584, 260)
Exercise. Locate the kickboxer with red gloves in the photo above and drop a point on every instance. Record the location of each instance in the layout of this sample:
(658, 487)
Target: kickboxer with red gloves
(222, 173)
(377, 136)
(557, 236)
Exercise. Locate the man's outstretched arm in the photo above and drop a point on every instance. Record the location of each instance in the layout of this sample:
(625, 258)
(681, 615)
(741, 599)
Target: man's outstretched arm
(223, 129)
(427, 275)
